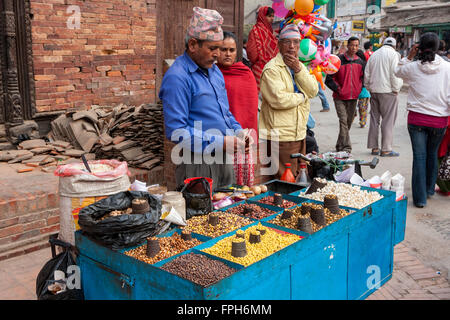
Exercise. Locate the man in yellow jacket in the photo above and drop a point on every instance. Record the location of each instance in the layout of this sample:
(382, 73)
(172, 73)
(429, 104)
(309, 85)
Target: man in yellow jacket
(286, 88)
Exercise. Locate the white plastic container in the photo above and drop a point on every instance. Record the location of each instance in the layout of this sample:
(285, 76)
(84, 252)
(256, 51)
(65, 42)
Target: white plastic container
(176, 200)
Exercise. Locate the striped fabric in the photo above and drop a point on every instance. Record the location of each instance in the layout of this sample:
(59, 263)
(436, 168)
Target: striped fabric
(206, 25)
(290, 31)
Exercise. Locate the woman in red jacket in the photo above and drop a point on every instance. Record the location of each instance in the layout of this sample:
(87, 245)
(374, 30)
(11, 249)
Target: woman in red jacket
(243, 100)
(262, 45)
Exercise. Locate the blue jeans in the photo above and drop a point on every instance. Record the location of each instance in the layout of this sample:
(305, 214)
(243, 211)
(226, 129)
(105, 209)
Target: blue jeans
(425, 142)
(323, 98)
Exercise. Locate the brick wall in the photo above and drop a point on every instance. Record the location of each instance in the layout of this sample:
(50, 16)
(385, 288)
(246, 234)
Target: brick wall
(26, 222)
(108, 59)
(29, 217)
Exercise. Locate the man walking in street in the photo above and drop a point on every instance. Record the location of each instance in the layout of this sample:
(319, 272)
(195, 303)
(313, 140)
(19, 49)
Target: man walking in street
(384, 87)
(287, 88)
(346, 85)
(368, 50)
(196, 112)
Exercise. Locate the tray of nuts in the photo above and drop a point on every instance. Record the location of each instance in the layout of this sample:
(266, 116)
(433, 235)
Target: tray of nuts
(163, 247)
(304, 218)
(199, 268)
(252, 210)
(351, 196)
(280, 200)
(260, 241)
(215, 223)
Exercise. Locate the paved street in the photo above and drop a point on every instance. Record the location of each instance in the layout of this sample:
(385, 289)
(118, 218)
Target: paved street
(421, 262)
(427, 229)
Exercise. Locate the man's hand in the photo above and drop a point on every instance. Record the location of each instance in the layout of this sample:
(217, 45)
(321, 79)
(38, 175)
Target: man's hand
(292, 62)
(232, 143)
(413, 52)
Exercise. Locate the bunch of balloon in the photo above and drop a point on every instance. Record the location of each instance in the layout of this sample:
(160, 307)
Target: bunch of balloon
(315, 30)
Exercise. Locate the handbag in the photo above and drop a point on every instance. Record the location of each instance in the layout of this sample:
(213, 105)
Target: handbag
(197, 194)
(444, 168)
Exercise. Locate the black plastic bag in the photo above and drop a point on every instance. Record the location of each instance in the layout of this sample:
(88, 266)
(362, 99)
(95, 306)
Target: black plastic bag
(197, 194)
(311, 143)
(46, 276)
(121, 231)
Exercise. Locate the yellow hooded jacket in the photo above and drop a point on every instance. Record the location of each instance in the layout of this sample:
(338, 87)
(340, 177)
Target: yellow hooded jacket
(282, 109)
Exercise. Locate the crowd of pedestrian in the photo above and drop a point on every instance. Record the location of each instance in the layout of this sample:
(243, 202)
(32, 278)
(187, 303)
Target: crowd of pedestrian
(268, 95)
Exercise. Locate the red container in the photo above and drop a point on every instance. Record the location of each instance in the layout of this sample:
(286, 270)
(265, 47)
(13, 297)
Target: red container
(287, 174)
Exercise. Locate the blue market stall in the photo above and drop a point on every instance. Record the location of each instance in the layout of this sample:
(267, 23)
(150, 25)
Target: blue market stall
(348, 259)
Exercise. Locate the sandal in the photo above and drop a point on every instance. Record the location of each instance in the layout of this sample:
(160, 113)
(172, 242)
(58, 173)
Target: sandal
(390, 154)
(375, 152)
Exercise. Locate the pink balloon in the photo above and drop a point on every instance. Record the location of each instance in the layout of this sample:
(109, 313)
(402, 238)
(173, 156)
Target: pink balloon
(280, 10)
(277, 1)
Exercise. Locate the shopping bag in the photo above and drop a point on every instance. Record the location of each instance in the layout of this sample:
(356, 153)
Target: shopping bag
(197, 193)
(59, 278)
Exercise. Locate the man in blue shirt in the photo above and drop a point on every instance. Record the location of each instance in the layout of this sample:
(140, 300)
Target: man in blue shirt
(195, 104)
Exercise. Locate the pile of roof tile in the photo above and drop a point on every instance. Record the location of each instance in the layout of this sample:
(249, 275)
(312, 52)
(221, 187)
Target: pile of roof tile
(125, 133)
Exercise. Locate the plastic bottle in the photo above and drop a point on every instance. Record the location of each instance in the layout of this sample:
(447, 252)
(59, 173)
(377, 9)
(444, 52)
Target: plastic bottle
(287, 174)
(302, 177)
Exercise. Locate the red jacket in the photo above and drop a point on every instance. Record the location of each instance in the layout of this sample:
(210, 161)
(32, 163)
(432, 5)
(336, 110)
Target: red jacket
(347, 83)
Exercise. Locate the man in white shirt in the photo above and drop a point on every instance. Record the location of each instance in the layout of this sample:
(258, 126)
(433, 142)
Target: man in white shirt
(384, 87)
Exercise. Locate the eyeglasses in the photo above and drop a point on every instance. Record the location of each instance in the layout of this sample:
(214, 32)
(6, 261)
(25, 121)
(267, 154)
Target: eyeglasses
(295, 42)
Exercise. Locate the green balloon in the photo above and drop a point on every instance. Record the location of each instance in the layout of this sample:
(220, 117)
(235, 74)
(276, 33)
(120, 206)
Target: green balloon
(321, 2)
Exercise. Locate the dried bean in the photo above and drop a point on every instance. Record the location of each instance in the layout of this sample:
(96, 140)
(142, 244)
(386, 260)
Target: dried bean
(170, 246)
(286, 203)
(199, 269)
(251, 211)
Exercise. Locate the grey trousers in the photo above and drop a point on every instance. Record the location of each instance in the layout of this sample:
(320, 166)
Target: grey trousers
(221, 174)
(346, 112)
(383, 113)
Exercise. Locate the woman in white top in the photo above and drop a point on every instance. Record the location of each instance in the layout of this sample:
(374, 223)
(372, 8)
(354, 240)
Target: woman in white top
(428, 107)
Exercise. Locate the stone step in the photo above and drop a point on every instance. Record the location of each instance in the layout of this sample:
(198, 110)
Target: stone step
(41, 244)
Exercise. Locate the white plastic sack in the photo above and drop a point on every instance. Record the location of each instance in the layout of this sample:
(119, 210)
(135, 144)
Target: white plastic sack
(66, 222)
(345, 175)
(138, 186)
(386, 180)
(398, 185)
(76, 182)
(356, 179)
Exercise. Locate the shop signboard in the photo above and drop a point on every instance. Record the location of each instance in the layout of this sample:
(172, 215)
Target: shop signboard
(358, 26)
(350, 7)
(343, 30)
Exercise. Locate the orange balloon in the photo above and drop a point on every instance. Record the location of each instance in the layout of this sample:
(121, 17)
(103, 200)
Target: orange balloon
(304, 7)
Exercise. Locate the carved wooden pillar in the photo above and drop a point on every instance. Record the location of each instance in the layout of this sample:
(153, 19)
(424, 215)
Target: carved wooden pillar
(14, 114)
(2, 64)
(2, 97)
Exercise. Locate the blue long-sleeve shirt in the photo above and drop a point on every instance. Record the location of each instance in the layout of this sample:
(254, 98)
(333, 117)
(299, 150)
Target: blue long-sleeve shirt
(189, 96)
